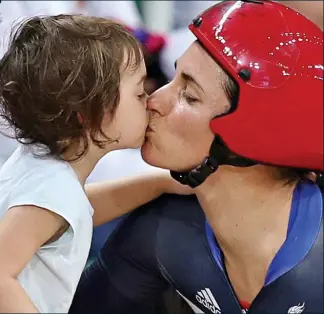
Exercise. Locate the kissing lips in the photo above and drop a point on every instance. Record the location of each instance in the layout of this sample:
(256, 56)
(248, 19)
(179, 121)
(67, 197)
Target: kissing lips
(148, 132)
(148, 129)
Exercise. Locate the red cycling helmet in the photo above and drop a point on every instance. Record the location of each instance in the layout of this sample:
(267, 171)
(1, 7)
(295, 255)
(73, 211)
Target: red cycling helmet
(276, 56)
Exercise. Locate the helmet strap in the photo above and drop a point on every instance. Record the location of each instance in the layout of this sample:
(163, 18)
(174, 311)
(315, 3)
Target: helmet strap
(197, 176)
(219, 155)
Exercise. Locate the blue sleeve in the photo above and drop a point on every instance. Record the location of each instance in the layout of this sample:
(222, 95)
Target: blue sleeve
(125, 278)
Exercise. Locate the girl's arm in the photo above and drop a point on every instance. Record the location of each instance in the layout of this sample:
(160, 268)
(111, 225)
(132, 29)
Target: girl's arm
(114, 198)
(23, 230)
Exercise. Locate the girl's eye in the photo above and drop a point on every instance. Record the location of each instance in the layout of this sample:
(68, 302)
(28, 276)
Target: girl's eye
(142, 96)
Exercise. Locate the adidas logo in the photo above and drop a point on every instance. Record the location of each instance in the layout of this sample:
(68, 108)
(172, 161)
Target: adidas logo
(206, 298)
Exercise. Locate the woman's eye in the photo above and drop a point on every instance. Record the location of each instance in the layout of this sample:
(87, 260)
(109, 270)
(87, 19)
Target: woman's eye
(188, 98)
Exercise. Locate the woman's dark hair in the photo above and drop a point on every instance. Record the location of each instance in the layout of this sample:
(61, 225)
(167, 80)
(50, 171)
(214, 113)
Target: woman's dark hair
(60, 76)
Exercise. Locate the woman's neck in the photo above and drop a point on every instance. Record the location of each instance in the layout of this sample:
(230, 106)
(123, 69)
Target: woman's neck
(248, 209)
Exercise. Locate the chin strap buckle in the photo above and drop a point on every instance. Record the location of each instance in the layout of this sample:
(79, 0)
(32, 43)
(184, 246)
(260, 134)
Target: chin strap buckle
(197, 176)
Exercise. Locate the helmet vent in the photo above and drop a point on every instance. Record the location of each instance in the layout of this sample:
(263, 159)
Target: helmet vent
(245, 74)
(197, 21)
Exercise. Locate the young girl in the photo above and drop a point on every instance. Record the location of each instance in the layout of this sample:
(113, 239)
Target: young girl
(72, 89)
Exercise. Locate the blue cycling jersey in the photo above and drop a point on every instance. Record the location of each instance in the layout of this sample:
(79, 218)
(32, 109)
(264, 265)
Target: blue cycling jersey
(168, 242)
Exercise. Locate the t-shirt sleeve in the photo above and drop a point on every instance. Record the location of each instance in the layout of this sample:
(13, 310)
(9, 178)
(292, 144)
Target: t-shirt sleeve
(55, 191)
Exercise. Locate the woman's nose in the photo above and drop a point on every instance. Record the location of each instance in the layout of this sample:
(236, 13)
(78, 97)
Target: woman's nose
(160, 101)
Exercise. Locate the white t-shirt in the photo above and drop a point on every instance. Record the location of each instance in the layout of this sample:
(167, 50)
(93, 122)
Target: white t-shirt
(51, 277)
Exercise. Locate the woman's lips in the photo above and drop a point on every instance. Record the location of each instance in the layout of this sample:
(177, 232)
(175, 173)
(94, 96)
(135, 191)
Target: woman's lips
(148, 129)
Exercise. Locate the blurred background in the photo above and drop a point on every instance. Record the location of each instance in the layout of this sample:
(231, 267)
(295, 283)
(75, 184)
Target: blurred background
(161, 27)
